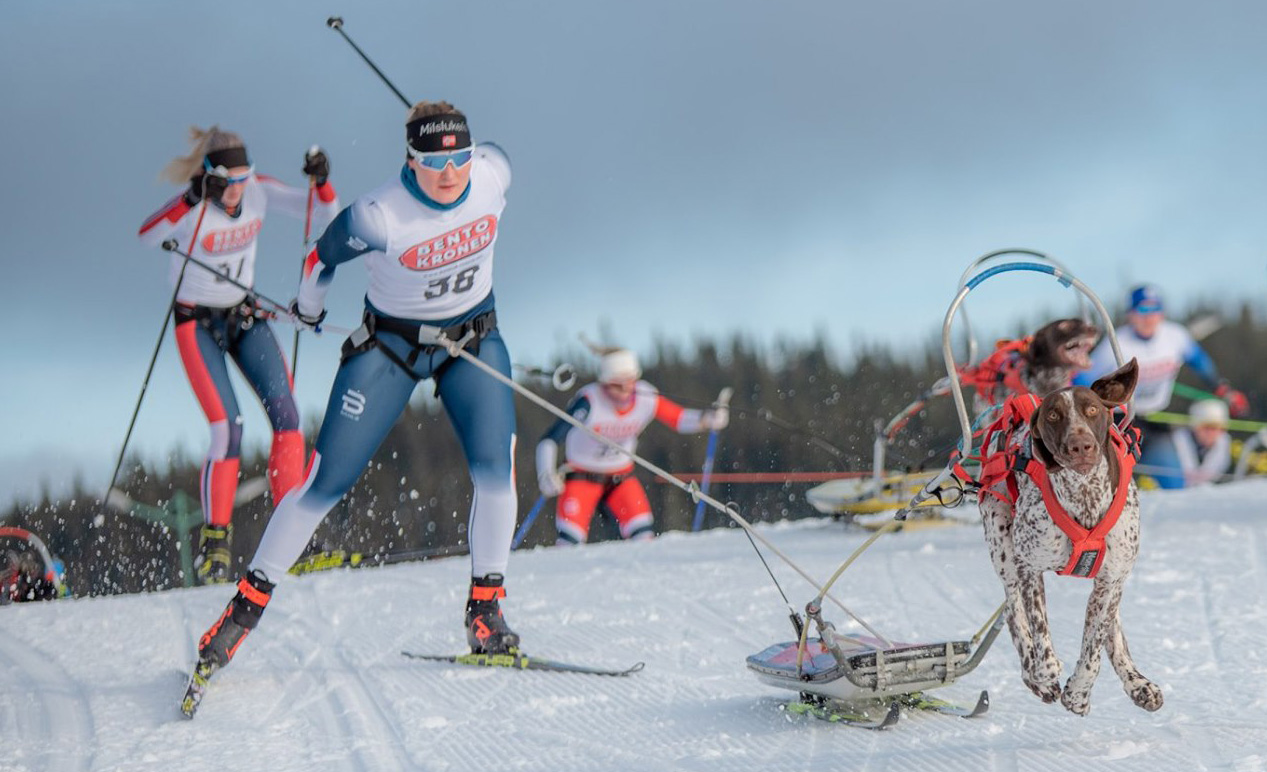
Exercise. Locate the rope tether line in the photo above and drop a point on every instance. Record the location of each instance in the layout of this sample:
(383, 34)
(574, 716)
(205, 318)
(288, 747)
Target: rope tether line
(458, 349)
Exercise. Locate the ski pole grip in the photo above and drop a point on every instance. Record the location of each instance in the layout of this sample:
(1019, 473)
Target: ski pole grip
(335, 22)
(723, 399)
(170, 244)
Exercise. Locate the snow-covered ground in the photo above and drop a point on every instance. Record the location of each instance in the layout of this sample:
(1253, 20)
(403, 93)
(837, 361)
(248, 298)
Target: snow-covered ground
(94, 684)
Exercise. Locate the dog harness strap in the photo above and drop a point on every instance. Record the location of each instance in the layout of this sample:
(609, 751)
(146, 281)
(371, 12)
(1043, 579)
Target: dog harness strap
(1003, 463)
(1001, 367)
(1088, 545)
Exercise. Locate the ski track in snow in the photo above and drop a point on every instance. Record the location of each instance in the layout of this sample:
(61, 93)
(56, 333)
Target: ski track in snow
(93, 684)
(44, 701)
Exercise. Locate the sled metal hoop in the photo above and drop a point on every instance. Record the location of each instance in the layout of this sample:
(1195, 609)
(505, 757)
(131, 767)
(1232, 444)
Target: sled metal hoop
(1059, 274)
(1083, 310)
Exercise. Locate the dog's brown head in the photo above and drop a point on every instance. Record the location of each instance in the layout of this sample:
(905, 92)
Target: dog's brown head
(1070, 429)
(1064, 343)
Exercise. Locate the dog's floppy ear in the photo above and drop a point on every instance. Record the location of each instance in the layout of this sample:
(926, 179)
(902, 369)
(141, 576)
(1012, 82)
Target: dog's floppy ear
(1037, 446)
(1118, 386)
(1039, 348)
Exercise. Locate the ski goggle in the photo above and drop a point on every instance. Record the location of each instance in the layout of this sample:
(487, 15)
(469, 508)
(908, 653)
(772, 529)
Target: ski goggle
(436, 161)
(223, 173)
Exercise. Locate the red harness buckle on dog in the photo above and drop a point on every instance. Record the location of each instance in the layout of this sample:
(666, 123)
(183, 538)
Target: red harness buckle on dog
(1005, 461)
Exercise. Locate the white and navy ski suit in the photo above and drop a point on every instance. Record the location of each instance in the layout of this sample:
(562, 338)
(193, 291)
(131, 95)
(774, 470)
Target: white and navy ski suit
(432, 264)
(215, 320)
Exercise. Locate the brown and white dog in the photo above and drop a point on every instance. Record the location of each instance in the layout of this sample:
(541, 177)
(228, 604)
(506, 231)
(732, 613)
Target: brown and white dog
(1069, 436)
(1058, 351)
(1038, 364)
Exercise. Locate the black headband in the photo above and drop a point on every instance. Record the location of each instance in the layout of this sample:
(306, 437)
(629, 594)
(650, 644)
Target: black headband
(228, 157)
(447, 131)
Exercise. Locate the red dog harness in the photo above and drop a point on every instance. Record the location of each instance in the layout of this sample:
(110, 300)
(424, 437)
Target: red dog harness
(1006, 460)
(1002, 368)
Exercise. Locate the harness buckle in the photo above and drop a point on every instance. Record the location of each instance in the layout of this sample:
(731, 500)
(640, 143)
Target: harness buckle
(360, 336)
(431, 336)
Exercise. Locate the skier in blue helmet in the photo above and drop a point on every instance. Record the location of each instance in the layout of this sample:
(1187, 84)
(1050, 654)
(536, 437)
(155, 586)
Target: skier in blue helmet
(1162, 348)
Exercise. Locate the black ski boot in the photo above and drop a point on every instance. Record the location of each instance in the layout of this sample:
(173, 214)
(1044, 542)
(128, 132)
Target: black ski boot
(486, 628)
(214, 556)
(240, 617)
(218, 645)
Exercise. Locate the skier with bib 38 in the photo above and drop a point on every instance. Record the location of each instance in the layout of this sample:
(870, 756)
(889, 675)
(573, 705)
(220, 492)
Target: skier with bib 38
(427, 237)
(619, 407)
(216, 319)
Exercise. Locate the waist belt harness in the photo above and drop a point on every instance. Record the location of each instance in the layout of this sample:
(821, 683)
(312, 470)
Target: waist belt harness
(236, 319)
(422, 338)
(608, 481)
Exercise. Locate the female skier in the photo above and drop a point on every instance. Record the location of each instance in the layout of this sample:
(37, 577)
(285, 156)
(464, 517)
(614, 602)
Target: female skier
(216, 220)
(427, 236)
(618, 407)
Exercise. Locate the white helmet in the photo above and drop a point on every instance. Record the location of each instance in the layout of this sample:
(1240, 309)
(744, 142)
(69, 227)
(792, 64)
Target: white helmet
(619, 365)
(1208, 412)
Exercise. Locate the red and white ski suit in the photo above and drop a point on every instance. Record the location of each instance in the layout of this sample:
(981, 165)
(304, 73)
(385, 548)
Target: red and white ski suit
(600, 474)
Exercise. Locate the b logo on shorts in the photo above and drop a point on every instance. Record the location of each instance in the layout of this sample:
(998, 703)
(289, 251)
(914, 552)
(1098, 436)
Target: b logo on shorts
(353, 404)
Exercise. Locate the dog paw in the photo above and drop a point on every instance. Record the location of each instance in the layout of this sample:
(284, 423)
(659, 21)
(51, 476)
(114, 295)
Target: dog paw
(1076, 701)
(1049, 669)
(1047, 691)
(1148, 696)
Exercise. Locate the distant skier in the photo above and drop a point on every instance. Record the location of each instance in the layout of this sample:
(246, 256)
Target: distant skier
(427, 236)
(1203, 447)
(619, 407)
(215, 319)
(1162, 348)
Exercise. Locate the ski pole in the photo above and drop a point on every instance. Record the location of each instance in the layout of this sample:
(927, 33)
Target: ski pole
(336, 23)
(283, 312)
(303, 260)
(723, 400)
(149, 371)
(532, 515)
(765, 415)
(527, 523)
(171, 245)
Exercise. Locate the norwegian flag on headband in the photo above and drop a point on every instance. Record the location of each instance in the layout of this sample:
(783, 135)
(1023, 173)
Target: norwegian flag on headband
(449, 140)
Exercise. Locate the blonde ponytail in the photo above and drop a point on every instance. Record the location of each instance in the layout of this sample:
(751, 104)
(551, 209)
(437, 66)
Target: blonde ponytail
(202, 141)
(599, 350)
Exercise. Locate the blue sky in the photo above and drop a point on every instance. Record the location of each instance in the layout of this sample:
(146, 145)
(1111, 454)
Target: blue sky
(682, 170)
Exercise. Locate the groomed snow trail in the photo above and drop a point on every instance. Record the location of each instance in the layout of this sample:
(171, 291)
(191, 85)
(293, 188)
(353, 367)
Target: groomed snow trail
(93, 684)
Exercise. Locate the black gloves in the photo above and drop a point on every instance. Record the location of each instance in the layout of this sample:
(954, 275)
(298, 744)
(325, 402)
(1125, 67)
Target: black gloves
(210, 184)
(317, 165)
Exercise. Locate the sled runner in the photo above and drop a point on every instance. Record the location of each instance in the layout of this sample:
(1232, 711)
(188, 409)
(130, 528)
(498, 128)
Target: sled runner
(854, 669)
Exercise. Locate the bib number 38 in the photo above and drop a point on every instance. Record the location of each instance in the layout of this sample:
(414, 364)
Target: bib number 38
(461, 281)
